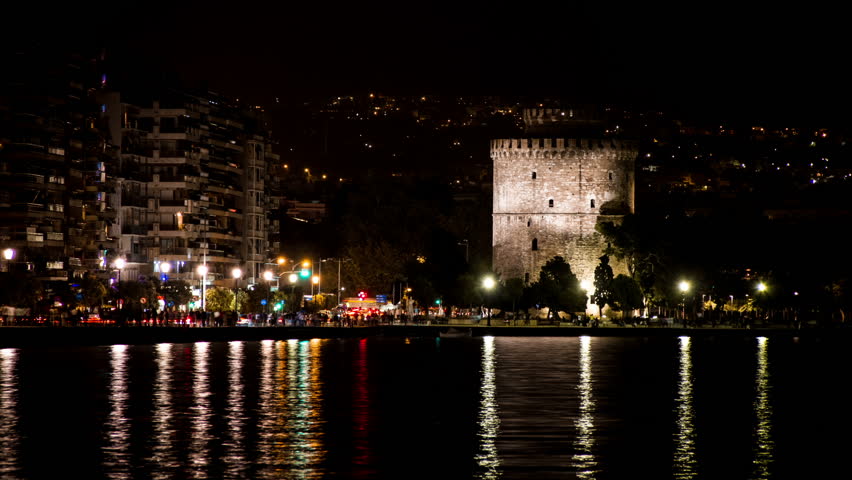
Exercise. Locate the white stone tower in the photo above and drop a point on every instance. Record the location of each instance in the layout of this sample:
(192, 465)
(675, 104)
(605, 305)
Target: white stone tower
(550, 190)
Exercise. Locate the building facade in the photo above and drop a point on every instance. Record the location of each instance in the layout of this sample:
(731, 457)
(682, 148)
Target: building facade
(56, 177)
(550, 190)
(193, 187)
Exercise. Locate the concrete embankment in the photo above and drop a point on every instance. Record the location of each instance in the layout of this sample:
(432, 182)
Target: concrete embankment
(46, 336)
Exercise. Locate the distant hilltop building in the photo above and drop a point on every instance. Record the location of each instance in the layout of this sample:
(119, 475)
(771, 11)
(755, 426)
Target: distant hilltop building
(552, 187)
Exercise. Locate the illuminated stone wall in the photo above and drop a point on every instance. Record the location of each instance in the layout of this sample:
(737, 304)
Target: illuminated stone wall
(578, 175)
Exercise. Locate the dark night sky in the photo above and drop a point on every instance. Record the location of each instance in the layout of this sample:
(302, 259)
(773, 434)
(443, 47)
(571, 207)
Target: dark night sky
(762, 61)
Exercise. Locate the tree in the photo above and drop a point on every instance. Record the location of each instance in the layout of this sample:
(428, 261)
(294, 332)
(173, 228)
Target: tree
(178, 292)
(514, 290)
(626, 295)
(132, 293)
(603, 285)
(558, 288)
(94, 291)
(219, 299)
(632, 241)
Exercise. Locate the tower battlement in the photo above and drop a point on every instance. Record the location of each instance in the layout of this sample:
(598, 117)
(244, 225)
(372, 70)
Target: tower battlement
(515, 146)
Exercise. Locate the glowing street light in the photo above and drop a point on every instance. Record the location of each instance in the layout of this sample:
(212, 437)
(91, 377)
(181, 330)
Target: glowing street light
(488, 284)
(237, 273)
(9, 254)
(293, 278)
(267, 275)
(119, 265)
(165, 267)
(202, 272)
(683, 286)
(761, 287)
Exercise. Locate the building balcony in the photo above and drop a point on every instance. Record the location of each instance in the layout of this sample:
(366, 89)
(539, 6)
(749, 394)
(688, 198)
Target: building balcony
(134, 230)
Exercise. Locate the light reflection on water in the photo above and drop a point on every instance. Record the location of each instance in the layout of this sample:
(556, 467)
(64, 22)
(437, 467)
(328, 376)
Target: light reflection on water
(292, 430)
(487, 458)
(163, 455)
(584, 458)
(262, 409)
(234, 459)
(764, 445)
(199, 451)
(361, 407)
(8, 411)
(118, 425)
(684, 454)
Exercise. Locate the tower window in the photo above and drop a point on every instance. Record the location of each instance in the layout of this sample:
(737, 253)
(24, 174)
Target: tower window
(533, 175)
(535, 244)
(527, 277)
(592, 203)
(550, 203)
(610, 176)
(529, 222)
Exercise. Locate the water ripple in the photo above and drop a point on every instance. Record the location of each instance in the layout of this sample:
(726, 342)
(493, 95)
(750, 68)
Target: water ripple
(684, 454)
(118, 425)
(584, 458)
(488, 458)
(764, 445)
(8, 412)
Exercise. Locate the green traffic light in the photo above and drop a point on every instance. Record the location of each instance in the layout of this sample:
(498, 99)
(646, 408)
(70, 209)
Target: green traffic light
(305, 273)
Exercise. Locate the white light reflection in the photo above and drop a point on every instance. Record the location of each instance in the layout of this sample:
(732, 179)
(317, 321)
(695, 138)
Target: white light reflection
(8, 413)
(684, 454)
(199, 453)
(163, 455)
(489, 419)
(584, 458)
(764, 444)
(267, 422)
(234, 455)
(118, 425)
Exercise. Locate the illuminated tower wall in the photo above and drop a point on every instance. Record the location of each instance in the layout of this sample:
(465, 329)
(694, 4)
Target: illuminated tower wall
(549, 188)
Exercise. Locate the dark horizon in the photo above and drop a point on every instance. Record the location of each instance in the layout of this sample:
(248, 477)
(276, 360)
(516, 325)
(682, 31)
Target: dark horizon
(745, 63)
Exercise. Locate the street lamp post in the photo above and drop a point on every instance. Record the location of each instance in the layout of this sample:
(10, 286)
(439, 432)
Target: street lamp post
(119, 265)
(466, 247)
(267, 275)
(683, 286)
(8, 256)
(237, 273)
(488, 284)
(202, 271)
(761, 291)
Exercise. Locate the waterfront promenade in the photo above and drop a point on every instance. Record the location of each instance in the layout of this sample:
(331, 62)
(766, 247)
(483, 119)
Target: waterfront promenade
(109, 335)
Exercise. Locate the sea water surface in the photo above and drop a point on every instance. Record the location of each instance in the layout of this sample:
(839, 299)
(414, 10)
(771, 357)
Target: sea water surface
(570, 407)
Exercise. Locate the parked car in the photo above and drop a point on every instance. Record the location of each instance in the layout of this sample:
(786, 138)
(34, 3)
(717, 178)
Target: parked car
(245, 321)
